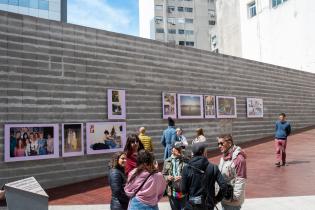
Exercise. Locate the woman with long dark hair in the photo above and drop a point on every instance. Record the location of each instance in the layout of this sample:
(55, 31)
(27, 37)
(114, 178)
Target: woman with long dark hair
(117, 181)
(145, 184)
(132, 147)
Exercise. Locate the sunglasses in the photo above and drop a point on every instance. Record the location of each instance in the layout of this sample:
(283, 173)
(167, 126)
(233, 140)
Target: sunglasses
(220, 143)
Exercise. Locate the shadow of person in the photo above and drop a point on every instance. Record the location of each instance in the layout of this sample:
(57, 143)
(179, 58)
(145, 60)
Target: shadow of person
(298, 162)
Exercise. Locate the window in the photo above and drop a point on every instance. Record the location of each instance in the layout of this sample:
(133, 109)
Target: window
(14, 2)
(159, 7)
(251, 9)
(171, 21)
(181, 43)
(188, 9)
(170, 9)
(34, 4)
(189, 32)
(158, 19)
(189, 20)
(3, 1)
(43, 4)
(191, 44)
(172, 31)
(181, 31)
(24, 3)
(188, 0)
(211, 13)
(180, 20)
(180, 9)
(212, 22)
(275, 3)
(159, 30)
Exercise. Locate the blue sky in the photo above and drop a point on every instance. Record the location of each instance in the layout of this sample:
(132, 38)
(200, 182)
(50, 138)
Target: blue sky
(120, 16)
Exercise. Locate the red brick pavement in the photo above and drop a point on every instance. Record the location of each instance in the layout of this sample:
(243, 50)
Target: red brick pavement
(264, 179)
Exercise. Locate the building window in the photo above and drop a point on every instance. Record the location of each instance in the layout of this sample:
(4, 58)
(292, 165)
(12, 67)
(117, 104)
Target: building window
(14, 2)
(275, 3)
(181, 31)
(180, 20)
(159, 30)
(172, 31)
(188, 0)
(181, 43)
(188, 9)
(171, 21)
(251, 9)
(189, 20)
(34, 4)
(170, 9)
(43, 4)
(189, 32)
(24, 3)
(158, 19)
(180, 9)
(159, 7)
(191, 44)
(212, 22)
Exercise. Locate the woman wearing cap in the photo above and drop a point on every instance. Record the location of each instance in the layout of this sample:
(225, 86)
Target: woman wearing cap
(172, 170)
(200, 136)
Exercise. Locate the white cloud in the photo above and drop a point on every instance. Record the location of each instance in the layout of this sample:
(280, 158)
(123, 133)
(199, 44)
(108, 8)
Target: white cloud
(99, 14)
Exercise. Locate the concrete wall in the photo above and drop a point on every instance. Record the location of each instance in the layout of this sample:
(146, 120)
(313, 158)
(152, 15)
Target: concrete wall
(52, 72)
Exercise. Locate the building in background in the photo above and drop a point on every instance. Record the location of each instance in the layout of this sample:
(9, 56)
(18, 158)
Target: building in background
(48, 9)
(279, 32)
(183, 22)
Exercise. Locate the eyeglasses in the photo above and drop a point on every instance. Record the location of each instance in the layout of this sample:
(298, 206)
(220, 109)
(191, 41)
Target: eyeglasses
(220, 143)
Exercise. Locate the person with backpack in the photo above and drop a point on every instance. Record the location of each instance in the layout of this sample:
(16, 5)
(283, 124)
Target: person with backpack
(145, 185)
(172, 171)
(233, 168)
(198, 181)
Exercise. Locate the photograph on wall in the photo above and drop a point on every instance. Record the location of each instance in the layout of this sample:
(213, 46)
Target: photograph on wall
(169, 105)
(31, 142)
(190, 106)
(255, 108)
(226, 107)
(105, 137)
(209, 106)
(72, 139)
(116, 104)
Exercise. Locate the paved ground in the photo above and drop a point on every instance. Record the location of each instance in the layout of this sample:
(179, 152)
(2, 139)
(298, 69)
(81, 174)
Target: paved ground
(268, 187)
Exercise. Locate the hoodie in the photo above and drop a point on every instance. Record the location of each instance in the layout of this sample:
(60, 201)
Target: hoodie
(151, 192)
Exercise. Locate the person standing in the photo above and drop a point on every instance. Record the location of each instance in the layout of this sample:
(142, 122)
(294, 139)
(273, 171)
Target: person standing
(181, 137)
(146, 140)
(132, 147)
(172, 172)
(233, 168)
(168, 138)
(117, 181)
(145, 185)
(200, 137)
(283, 130)
(198, 181)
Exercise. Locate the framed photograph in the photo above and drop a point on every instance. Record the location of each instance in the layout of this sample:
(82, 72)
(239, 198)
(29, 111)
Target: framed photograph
(190, 106)
(72, 139)
(169, 105)
(226, 107)
(209, 106)
(30, 142)
(116, 104)
(105, 137)
(255, 108)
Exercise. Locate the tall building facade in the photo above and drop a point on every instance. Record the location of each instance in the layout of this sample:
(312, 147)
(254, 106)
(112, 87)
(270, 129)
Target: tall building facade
(183, 22)
(279, 32)
(48, 9)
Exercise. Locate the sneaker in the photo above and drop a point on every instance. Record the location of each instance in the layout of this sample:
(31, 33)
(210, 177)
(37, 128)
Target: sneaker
(277, 164)
(283, 164)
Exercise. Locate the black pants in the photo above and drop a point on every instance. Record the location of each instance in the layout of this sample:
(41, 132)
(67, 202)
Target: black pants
(190, 206)
(176, 203)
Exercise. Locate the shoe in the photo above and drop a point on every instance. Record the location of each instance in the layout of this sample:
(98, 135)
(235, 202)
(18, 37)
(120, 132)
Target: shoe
(277, 164)
(283, 164)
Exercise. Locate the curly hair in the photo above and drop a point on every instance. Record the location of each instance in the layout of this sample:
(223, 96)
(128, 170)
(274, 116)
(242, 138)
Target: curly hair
(145, 162)
(128, 148)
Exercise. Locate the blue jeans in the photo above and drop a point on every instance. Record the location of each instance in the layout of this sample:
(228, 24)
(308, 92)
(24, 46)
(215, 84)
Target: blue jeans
(135, 204)
(226, 207)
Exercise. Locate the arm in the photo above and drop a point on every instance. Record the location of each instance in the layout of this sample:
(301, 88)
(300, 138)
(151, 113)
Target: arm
(288, 130)
(163, 140)
(185, 180)
(151, 145)
(240, 179)
(222, 184)
(117, 186)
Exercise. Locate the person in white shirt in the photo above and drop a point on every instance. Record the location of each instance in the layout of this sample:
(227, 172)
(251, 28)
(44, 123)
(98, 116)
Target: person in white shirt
(200, 136)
